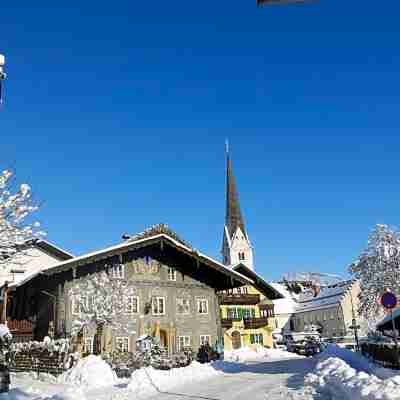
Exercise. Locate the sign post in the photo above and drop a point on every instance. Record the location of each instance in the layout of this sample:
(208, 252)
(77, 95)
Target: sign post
(389, 301)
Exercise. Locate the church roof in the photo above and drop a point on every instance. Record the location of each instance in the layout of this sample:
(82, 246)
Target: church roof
(233, 217)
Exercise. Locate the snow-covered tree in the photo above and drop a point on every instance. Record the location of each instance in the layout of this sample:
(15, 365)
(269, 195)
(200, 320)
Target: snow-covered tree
(100, 299)
(378, 269)
(17, 230)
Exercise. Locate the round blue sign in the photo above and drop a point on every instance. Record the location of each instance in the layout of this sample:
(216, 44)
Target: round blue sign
(389, 300)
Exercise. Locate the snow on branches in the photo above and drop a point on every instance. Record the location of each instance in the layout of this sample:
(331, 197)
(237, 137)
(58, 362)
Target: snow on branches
(17, 233)
(377, 269)
(100, 299)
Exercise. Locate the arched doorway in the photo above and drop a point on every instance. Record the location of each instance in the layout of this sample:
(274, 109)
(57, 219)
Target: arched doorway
(236, 340)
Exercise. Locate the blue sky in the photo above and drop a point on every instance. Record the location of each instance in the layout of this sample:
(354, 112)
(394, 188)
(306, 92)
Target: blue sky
(117, 113)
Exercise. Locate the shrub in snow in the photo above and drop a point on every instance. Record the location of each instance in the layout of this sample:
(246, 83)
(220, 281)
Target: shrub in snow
(89, 372)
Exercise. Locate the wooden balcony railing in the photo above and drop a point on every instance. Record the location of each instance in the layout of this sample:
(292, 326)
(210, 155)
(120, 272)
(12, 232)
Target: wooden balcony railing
(254, 323)
(20, 327)
(239, 299)
(226, 323)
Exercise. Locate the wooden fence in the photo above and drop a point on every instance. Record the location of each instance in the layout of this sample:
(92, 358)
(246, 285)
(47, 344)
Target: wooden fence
(383, 354)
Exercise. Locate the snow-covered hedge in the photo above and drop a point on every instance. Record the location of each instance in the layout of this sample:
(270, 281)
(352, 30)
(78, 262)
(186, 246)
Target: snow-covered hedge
(50, 345)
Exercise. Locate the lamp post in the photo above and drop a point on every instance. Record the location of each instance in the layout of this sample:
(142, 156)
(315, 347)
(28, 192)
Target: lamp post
(3, 76)
(354, 325)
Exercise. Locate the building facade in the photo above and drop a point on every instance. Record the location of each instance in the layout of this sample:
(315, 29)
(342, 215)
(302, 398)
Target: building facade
(160, 286)
(331, 309)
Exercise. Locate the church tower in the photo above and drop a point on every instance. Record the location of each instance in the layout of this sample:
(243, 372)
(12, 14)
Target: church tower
(236, 246)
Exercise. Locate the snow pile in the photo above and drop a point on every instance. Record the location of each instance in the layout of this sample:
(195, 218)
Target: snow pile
(256, 353)
(146, 382)
(89, 372)
(335, 378)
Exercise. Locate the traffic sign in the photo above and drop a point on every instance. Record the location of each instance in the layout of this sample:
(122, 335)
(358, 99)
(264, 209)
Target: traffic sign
(389, 300)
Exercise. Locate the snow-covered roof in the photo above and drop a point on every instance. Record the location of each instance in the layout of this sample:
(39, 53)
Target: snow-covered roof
(41, 255)
(287, 304)
(328, 297)
(126, 246)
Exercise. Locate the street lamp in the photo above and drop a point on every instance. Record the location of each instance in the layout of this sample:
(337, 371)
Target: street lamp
(3, 76)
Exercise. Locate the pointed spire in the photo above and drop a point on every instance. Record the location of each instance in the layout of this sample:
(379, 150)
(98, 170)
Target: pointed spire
(233, 217)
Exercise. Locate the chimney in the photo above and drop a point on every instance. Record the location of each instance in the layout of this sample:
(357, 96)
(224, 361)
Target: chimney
(316, 289)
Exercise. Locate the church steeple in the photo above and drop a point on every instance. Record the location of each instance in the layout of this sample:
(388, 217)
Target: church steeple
(233, 215)
(236, 247)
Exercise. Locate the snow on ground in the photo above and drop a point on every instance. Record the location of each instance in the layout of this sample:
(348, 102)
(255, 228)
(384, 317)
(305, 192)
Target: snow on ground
(341, 374)
(275, 373)
(256, 373)
(146, 382)
(245, 354)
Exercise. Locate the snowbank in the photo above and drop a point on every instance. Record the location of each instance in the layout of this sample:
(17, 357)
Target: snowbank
(256, 354)
(89, 372)
(147, 382)
(335, 378)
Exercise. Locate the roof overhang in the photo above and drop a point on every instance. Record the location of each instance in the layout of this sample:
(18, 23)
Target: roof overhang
(236, 278)
(258, 282)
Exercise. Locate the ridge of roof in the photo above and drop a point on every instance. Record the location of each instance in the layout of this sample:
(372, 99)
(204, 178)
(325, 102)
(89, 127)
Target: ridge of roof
(127, 244)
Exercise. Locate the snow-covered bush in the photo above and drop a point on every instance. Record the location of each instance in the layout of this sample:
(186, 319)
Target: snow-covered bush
(89, 372)
(101, 301)
(17, 233)
(5, 344)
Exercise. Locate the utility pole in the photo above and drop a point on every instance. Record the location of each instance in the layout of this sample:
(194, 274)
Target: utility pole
(3, 76)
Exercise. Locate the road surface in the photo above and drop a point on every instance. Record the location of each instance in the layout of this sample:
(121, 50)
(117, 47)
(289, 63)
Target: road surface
(272, 380)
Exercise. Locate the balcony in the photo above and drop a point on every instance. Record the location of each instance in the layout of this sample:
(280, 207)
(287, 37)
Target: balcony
(239, 299)
(254, 323)
(226, 323)
(19, 327)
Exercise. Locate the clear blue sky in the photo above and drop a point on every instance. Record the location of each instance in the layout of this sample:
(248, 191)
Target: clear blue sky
(117, 112)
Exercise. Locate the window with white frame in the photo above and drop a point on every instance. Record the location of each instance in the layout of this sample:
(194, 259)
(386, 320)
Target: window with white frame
(158, 305)
(79, 304)
(117, 271)
(171, 274)
(183, 341)
(182, 306)
(132, 305)
(205, 339)
(202, 306)
(88, 345)
(256, 338)
(122, 344)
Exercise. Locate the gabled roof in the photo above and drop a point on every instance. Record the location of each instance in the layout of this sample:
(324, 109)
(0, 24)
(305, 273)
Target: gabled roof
(52, 249)
(328, 297)
(258, 282)
(233, 217)
(235, 278)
